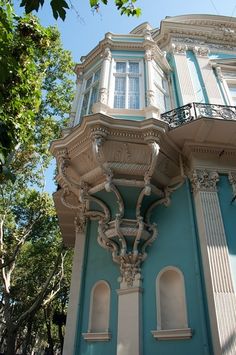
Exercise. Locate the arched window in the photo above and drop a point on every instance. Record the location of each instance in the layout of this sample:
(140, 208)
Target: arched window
(99, 313)
(171, 305)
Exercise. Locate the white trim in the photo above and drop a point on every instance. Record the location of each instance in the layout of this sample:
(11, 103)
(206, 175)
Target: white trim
(74, 300)
(172, 334)
(141, 84)
(105, 336)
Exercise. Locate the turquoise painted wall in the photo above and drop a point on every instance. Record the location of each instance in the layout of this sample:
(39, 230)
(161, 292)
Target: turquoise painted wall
(99, 266)
(228, 210)
(175, 246)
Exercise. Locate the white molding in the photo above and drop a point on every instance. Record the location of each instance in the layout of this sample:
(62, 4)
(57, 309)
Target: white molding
(74, 300)
(172, 334)
(105, 336)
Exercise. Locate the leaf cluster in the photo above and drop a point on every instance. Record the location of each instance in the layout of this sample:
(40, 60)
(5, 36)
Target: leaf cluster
(35, 90)
(59, 7)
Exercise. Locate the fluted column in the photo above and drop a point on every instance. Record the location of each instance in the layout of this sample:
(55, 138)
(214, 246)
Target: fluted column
(216, 267)
(208, 76)
(183, 73)
(75, 290)
(101, 105)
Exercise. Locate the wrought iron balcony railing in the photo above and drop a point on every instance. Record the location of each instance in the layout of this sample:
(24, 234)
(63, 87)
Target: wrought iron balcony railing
(194, 111)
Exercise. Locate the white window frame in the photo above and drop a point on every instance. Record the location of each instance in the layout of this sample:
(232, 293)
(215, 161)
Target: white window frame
(231, 82)
(89, 89)
(141, 84)
(167, 97)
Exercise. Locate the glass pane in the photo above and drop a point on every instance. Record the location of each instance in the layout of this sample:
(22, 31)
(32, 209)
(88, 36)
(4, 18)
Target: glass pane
(133, 93)
(120, 67)
(85, 104)
(160, 100)
(119, 97)
(158, 78)
(97, 75)
(89, 82)
(94, 97)
(133, 67)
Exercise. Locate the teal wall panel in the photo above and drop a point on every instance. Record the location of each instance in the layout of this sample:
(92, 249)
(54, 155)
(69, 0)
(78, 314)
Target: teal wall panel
(175, 246)
(99, 266)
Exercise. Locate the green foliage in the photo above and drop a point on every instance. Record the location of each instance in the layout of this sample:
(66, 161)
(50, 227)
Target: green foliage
(35, 89)
(59, 7)
(35, 95)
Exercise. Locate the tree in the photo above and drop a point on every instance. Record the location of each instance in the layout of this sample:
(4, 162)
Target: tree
(35, 90)
(59, 7)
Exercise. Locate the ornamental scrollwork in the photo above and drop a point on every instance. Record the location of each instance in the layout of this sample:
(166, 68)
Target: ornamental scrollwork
(203, 180)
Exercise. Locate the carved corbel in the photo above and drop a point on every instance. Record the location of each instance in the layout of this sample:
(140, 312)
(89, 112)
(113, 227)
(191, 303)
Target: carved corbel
(155, 148)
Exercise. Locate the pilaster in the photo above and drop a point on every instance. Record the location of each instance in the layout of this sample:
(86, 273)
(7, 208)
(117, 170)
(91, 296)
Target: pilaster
(216, 267)
(101, 105)
(151, 110)
(184, 77)
(75, 288)
(209, 79)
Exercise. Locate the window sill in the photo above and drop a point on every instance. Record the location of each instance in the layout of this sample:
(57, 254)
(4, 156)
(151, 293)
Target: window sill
(105, 336)
(172, 334)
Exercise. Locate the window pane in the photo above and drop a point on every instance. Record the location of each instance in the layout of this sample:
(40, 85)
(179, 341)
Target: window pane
(232, 89)
(160, 100)
(89, 82)
(134, 93)
(97, 75)
(94, 97)
(120, 67)
(85, 104)
(119, 98)
(133, 67)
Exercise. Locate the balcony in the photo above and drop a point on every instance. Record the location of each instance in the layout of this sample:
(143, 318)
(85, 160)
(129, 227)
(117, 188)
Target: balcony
(194, 111)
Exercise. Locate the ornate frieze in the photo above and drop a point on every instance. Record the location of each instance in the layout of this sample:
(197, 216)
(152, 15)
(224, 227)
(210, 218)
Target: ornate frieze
(203, 180)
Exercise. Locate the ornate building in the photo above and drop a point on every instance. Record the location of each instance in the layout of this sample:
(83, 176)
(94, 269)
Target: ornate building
(147, 176)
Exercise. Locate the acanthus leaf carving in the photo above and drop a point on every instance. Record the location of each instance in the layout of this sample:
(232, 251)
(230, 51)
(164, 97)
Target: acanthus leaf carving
(203, 180)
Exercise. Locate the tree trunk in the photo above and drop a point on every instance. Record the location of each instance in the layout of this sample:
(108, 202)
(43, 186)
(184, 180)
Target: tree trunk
(27, 338)
(11, 342)
(60, 334)
(47, 317)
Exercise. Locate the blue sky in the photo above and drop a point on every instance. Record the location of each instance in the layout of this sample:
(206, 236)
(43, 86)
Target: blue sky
(83, 29)
(80, 33)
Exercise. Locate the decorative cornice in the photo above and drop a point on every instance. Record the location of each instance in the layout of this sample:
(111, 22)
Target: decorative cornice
(203, 180)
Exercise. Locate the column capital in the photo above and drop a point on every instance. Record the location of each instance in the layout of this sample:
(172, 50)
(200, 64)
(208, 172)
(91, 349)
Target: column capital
(201, 51)
(179, 48)
(107, 54)
(203, 180)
